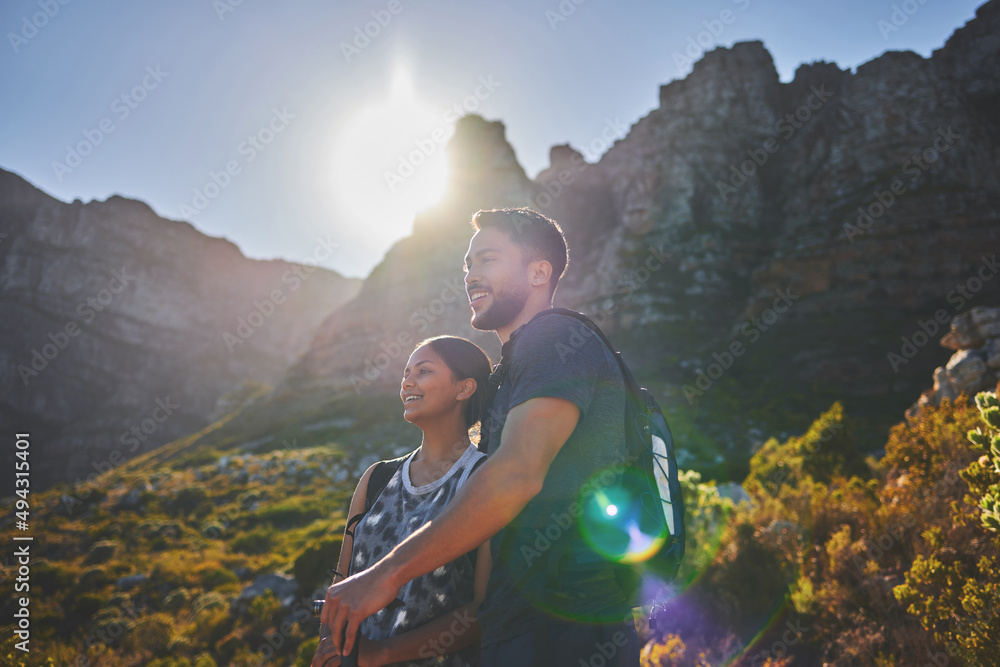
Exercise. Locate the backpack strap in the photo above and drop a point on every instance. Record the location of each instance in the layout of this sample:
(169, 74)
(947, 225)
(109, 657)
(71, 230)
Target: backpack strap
(377, 481)
(492, 386)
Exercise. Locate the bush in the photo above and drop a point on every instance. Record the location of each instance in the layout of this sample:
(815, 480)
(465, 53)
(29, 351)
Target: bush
(188, 499)
(85, 605)
(152, 633)
(955, 592)
(312, 566)
(93, 578)
(291, 513)
(101, 552)
(49, 577)
(255, 542)
(214, 576)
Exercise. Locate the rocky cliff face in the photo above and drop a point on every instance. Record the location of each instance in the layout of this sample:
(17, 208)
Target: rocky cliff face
(121, 330)
(825, 218)
(759, 249)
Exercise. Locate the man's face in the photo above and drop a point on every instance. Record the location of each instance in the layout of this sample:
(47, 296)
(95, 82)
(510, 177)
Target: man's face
(496, 279)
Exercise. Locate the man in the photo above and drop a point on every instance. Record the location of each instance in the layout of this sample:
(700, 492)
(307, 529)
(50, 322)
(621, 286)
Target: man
(556, 424)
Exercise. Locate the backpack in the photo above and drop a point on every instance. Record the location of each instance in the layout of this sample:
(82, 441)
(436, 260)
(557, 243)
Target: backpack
(650, 486)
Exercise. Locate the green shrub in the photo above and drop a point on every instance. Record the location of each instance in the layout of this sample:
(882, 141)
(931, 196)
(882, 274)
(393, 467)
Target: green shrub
(93, 578)
(50, 577)
(955, 592)
(176, 599)
(101, 552)
(258, 541)
(206, 660)
(312, 566)
(85, 605)
(307, 649)
(216, 576)
(291, 513)
(152, 633)
(188, 499)
(210, 601)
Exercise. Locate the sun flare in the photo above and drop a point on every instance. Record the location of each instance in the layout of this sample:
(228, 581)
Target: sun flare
(388, 160)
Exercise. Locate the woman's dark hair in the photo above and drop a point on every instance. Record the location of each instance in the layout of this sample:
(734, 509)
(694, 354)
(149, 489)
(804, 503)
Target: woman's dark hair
(465, 359)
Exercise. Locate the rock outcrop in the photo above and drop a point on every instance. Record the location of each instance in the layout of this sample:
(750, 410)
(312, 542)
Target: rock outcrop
(862, 198)
(121, 330)
(975, 366)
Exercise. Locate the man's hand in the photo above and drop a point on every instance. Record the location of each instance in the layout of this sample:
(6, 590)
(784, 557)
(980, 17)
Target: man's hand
(352, 601)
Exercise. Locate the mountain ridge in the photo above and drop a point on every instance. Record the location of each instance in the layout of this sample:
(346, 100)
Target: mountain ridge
(122, 330)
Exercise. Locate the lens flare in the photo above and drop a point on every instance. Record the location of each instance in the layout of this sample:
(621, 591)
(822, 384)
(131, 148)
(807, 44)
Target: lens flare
(617, 521)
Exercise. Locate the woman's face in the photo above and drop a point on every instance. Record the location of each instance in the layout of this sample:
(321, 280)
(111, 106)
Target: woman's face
(429, 389)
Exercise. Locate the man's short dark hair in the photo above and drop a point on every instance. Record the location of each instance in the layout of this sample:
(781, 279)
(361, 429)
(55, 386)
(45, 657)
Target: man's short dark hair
(541, 237)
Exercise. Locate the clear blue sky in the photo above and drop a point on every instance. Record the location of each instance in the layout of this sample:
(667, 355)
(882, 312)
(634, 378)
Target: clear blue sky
(333, 128)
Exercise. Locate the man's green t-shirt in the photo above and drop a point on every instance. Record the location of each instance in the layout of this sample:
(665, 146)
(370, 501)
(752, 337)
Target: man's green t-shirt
(541, 566)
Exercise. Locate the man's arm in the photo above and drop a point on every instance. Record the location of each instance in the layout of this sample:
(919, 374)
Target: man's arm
(461, 627)
(533, 434)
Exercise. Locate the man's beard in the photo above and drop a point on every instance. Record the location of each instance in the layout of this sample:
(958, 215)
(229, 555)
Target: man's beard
(507, 305)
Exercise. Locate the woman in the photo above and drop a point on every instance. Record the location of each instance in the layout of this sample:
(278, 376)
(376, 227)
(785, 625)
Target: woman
(443, 392)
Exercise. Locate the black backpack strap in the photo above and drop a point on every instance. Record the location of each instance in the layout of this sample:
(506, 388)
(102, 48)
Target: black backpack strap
(383, 472)
(493, 384)
(377, 481)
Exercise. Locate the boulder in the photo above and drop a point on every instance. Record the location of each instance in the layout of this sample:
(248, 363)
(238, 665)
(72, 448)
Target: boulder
(963, 334)
(967, 371)
(283, 586)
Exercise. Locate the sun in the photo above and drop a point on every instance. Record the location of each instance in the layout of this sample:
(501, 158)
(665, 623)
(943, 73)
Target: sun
(389, 160)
